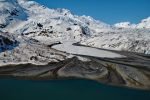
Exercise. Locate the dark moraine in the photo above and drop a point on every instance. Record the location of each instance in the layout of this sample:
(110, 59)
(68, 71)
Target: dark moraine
(11, 89)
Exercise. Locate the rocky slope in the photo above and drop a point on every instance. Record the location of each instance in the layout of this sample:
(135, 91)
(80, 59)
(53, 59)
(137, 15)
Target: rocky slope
(7, 41)
(26, 51)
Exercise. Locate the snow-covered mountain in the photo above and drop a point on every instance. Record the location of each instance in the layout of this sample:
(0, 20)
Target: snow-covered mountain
(125, 25)
(10, 12)
(23, 18)
(42, 21)
(144, 24)
(37, 42)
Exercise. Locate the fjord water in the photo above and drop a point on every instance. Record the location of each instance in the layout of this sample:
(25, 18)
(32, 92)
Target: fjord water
(66, 90)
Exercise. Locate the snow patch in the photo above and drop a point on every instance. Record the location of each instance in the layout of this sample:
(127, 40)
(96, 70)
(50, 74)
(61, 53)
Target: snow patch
(88, 51)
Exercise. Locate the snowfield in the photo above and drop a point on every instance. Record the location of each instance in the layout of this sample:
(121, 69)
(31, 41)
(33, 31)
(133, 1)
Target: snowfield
(87, 51)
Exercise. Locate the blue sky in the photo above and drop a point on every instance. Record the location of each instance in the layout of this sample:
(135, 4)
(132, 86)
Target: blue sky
(109, 11)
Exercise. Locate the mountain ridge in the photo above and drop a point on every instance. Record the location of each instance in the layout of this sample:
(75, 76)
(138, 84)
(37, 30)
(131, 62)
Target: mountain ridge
(30, 19)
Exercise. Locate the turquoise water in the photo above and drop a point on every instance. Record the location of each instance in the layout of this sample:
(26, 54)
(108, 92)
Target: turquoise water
(66, 90)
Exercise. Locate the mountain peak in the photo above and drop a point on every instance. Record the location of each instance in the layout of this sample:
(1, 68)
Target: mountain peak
(145, 23)
(10, 11)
